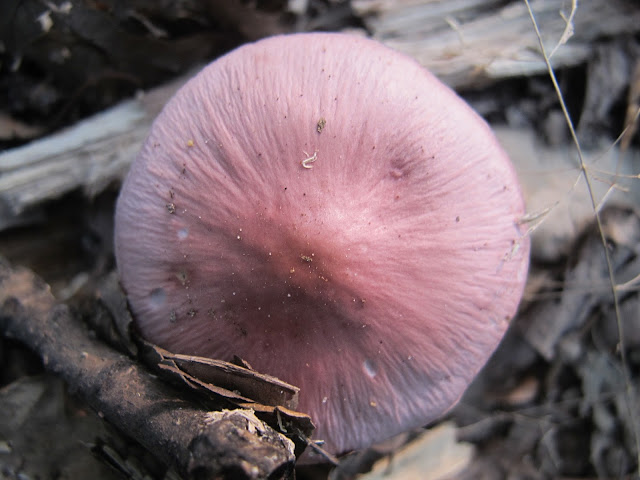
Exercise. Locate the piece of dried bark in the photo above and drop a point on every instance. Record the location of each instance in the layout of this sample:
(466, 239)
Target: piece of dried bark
(231, 386)
(199, 443)
(256, 386)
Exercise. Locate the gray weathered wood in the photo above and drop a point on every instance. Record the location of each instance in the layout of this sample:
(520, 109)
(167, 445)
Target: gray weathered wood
(89, 155)
(470, 42)
(464, 42)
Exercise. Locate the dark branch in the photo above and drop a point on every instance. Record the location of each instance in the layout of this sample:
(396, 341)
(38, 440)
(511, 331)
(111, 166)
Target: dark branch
(199, 443)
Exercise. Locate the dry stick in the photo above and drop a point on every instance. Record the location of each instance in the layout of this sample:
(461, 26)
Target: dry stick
(630, 393)
(200, 444)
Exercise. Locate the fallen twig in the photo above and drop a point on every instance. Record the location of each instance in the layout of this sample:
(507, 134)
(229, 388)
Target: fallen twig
(199, 443)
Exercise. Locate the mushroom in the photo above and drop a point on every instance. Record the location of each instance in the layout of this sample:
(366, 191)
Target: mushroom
(326, 209)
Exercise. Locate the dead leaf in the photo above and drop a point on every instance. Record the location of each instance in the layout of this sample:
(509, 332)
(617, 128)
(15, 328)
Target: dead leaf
(436, 454)
(13, 129)
(250, 384)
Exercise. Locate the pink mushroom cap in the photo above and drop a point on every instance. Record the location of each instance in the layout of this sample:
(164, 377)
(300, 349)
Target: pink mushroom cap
(326, 209)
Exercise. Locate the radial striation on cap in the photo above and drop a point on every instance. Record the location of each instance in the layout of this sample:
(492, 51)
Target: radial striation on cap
(326, 209)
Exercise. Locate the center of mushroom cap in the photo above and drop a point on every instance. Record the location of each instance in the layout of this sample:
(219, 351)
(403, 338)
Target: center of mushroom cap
(279, 279)
(283, 266)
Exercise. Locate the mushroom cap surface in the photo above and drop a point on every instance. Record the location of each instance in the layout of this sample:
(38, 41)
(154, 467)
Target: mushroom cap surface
(326, 209)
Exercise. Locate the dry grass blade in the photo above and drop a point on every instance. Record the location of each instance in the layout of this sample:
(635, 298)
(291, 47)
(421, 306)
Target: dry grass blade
(596, 211)
(568, 29)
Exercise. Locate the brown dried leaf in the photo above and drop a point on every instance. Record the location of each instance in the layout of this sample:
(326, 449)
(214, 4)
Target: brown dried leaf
(12, 129)
(226, 398)
(114, 328)
(435, 454)
(288, 421)
(297, 426)
(251, 385)
(233, 386)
